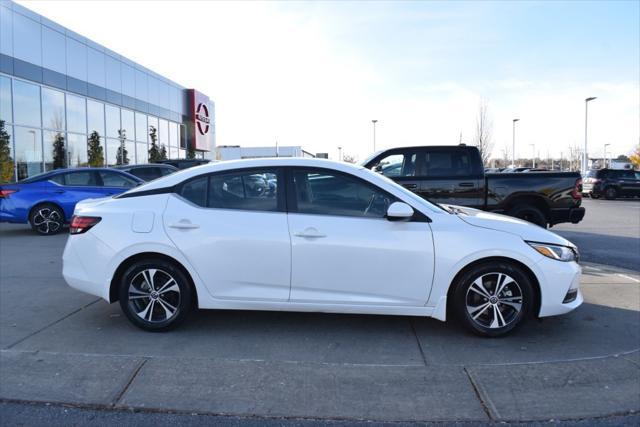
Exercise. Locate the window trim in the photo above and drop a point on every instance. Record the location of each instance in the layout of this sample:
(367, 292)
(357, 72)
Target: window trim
(281, 204)
(292, 202)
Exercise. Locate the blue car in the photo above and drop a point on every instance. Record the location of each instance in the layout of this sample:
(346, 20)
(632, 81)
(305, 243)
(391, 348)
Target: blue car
(46, 201)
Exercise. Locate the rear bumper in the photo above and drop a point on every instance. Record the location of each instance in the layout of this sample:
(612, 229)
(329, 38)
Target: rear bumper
(572, 215)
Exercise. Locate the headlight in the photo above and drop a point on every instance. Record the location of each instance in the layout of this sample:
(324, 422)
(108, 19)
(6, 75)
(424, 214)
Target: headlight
(560, 253)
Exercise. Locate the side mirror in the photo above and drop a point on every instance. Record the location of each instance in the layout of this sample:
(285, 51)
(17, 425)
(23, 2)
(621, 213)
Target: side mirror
(399, 211)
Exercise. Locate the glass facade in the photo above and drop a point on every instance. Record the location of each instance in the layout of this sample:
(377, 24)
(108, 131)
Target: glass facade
(57, 88)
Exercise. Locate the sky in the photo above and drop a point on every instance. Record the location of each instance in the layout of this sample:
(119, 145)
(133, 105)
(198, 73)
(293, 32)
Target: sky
(315, 74)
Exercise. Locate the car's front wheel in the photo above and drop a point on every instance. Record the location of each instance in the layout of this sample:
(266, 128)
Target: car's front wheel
(610, 193)
(46, 219)
(494, 298)
(155, 295)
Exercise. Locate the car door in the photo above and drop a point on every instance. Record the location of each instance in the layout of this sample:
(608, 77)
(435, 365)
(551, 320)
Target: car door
(344, 250)
(233, 229)
(69, 188)
(449, 176)
(629, 185)
(112, 182)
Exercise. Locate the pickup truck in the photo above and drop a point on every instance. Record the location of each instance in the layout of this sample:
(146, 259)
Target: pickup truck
(454, 175)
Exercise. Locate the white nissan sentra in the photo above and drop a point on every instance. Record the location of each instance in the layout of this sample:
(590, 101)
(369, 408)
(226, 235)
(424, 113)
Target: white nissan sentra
(313, 235)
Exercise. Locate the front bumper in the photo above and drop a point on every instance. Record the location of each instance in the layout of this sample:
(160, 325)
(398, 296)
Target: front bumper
(560, 282)
(572, 215)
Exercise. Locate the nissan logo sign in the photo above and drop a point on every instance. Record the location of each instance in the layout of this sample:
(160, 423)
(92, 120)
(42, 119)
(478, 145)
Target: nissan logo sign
(202, 118)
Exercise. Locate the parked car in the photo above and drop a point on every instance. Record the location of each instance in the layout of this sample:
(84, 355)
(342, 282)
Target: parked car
(454, 175)
(332, 238)
(611, 183)
(148, 172)
(46, 201)
(184, 163)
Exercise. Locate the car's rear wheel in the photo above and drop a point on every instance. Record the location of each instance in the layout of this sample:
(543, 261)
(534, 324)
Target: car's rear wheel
(155, 295)
(610, 193)
(46, 219)
(494, 298)
(529, 213)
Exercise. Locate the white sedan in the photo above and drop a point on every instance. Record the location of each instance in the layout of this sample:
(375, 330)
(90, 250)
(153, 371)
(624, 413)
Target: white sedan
(313, 235)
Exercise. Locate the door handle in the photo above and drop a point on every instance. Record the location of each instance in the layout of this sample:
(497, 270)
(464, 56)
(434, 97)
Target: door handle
(59, 191)
(184, 225)
(410, 186)
(310, 233)
(466, 184)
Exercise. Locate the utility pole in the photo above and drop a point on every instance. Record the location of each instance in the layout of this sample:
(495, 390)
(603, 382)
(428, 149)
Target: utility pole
(533, 161)
(513, 148)
(339, 154)
(585, 157)
(374, 134)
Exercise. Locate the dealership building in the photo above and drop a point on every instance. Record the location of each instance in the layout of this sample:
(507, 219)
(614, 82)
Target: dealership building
(58, 88)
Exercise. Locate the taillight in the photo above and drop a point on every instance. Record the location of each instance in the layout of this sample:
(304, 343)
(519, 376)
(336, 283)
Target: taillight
(81, 224)
(577, 189)
(4, 194)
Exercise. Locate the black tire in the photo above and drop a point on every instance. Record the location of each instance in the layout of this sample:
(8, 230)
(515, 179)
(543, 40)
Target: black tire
(46, 219)
(595, 196)
(610, 193)
(465, 299)
(141, 310)
(529, 213)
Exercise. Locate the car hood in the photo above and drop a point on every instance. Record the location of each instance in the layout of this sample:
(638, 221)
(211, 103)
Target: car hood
(508, 224)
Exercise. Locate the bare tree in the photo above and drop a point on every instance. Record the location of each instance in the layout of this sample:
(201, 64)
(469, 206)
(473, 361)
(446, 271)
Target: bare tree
(506, 154)
(575, 156)
(484, 132)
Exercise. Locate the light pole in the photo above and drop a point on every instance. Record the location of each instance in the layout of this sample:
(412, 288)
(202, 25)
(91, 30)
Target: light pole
(374, 134)
(533, 161)
(585, 158)
(605, 155)
(513, 148)
(339, 154)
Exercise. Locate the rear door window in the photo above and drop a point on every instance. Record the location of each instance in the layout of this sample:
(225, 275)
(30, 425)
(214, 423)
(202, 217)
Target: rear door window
(254, 190)
(251, 190)
(447, 164)
(81, 179)
(113, 179)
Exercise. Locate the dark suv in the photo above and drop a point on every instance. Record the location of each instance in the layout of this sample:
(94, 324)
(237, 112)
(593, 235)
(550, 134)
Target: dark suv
(611, 183)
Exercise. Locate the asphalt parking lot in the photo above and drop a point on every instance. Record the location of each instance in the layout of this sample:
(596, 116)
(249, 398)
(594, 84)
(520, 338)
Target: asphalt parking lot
(64, 347)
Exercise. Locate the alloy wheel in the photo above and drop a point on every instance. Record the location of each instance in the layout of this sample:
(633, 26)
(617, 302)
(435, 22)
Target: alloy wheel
(47, 221)
(494, 300)
(154, 295)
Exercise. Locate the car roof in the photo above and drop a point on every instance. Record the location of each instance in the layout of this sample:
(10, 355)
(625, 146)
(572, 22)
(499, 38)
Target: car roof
(271, 162)
(146, 165)
(45, 175)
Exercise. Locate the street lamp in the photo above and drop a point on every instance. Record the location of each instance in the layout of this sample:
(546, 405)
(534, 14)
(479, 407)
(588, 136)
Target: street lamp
(374, 134)
(513, 148)
(339, 154)
(605, 155)
(585, 158)
(533, 161)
